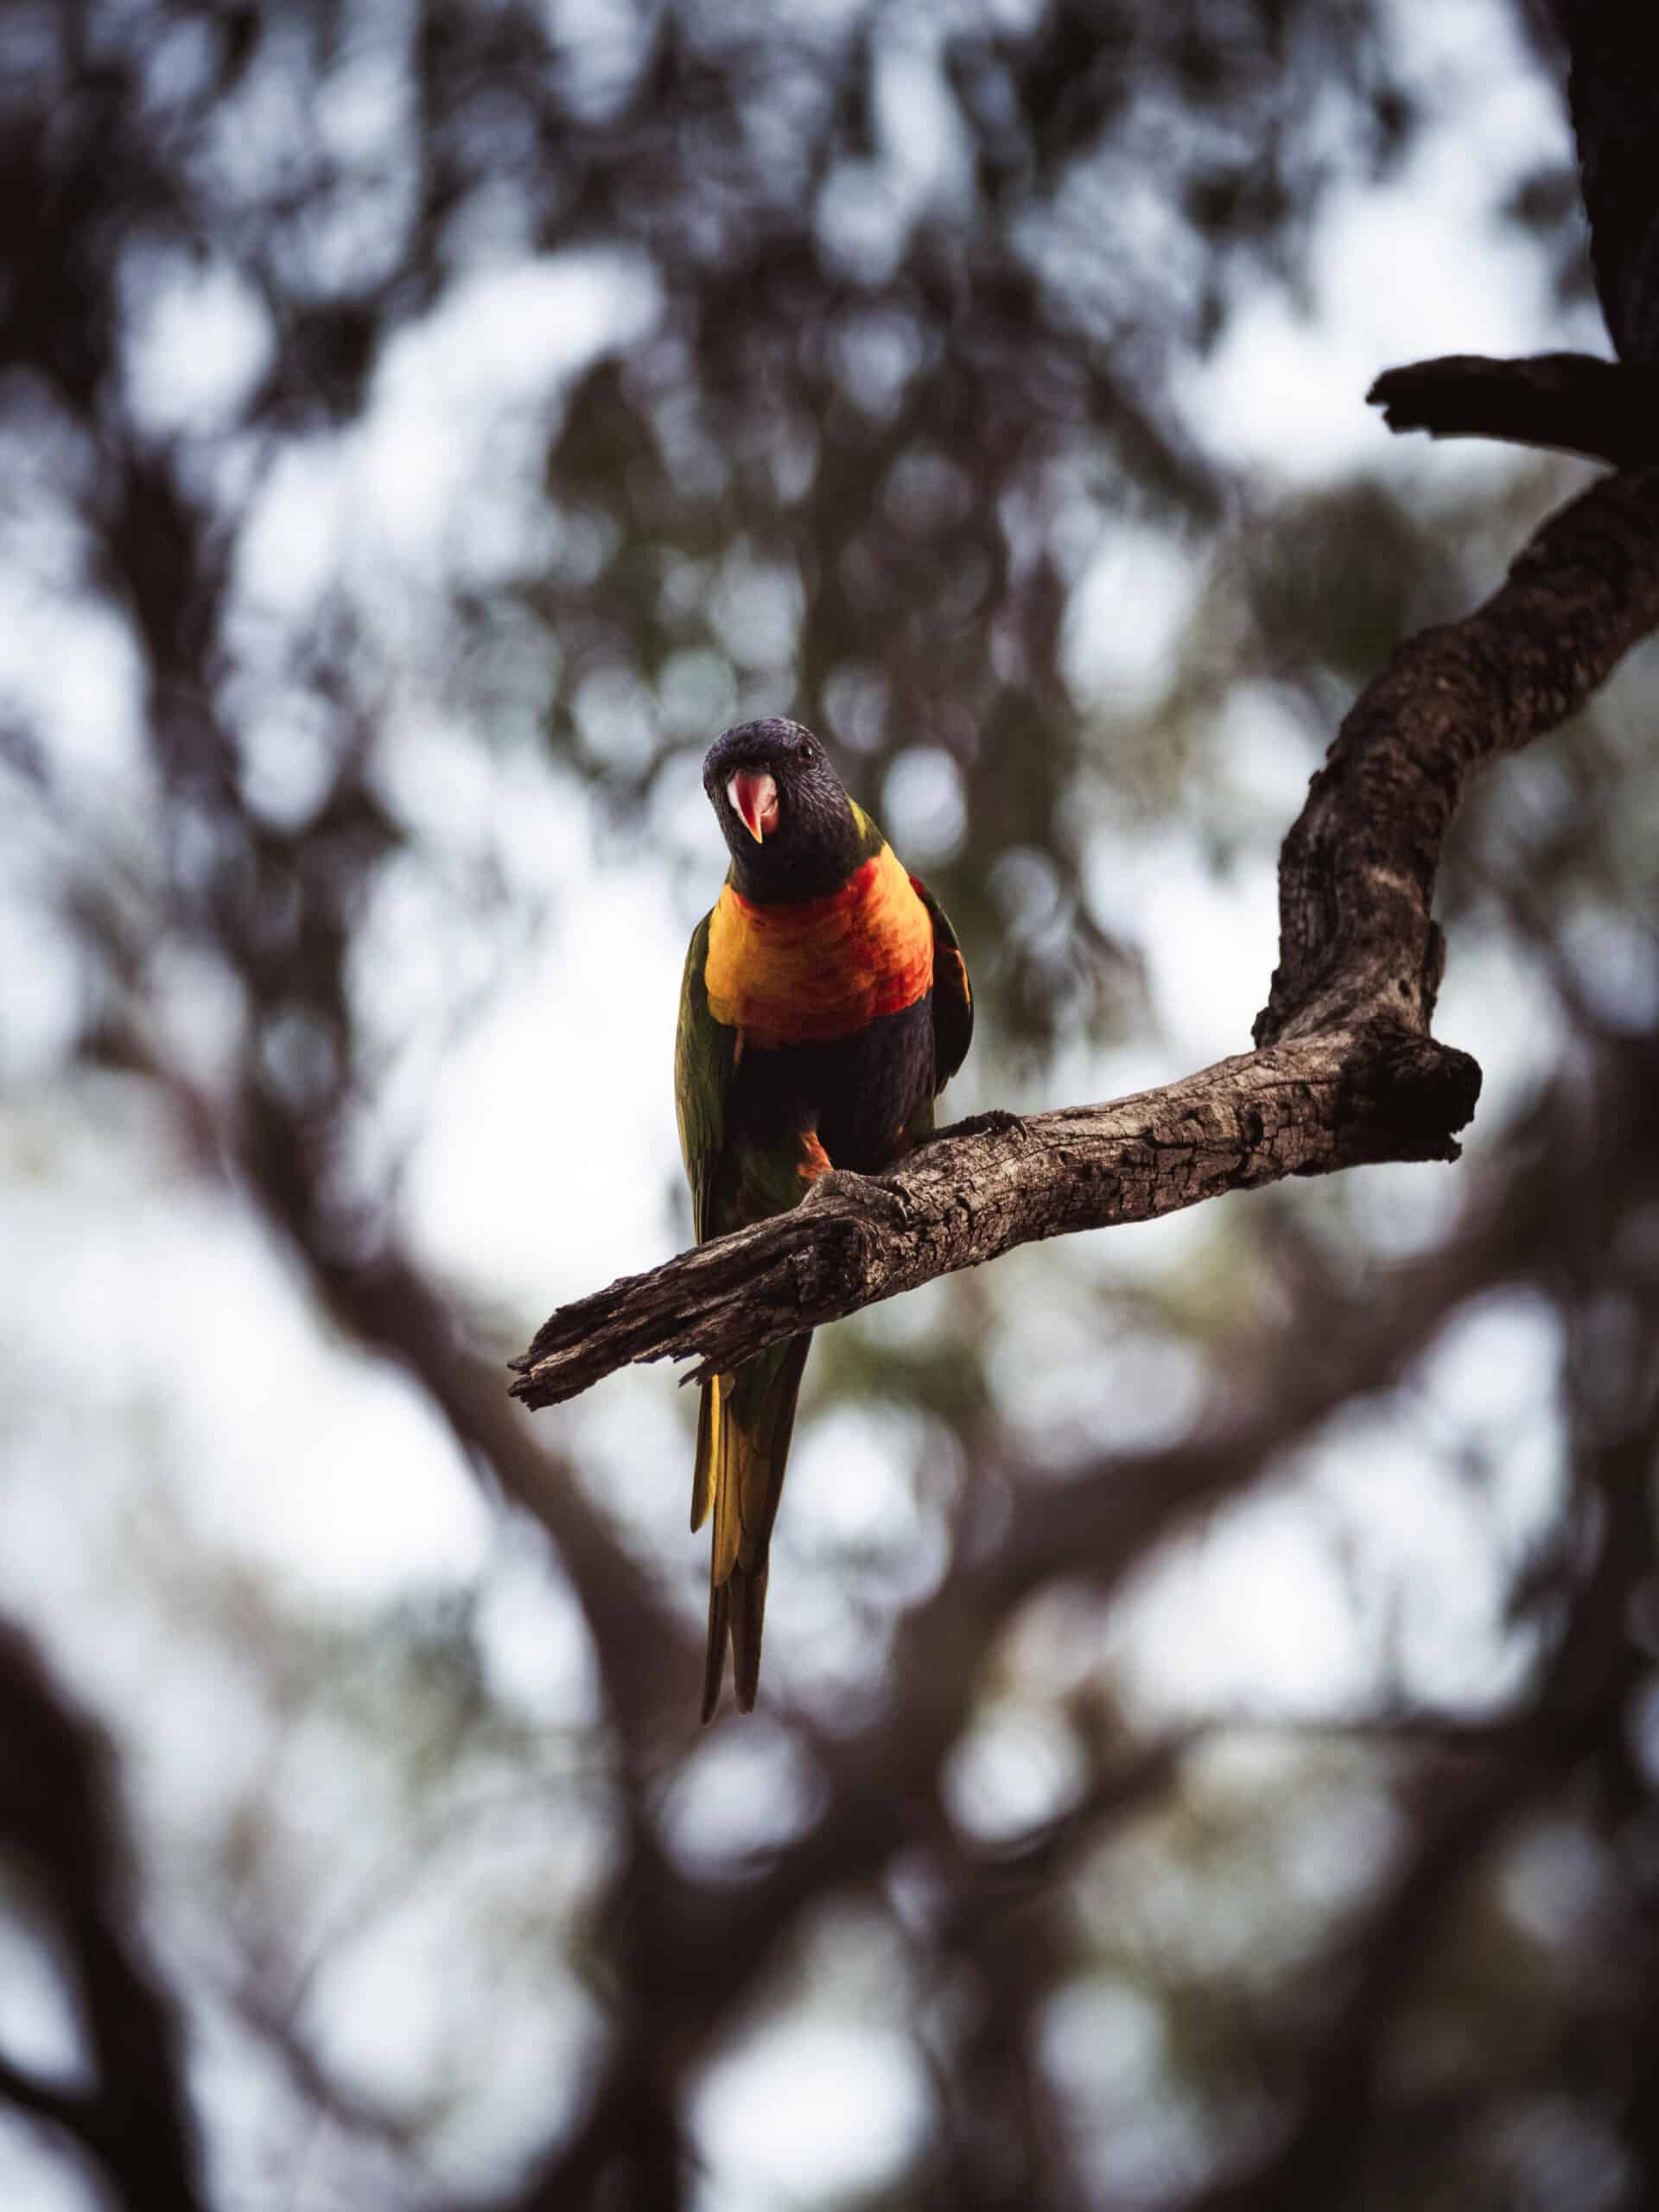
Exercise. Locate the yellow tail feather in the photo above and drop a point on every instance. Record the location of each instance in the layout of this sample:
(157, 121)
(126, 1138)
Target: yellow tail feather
(702, 1478)
(744, 1427)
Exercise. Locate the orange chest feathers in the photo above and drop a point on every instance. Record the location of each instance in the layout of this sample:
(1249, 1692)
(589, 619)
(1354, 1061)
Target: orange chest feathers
(812, 972)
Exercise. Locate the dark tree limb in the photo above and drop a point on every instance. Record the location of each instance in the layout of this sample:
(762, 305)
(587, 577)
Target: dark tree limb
(61, 1826)
(1575, 402)
(1344, 1071)
(1610, 87)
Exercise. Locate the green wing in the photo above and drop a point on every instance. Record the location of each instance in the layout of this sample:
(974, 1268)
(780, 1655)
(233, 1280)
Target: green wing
(953, 997)
(745, 1418)
(705, 1052)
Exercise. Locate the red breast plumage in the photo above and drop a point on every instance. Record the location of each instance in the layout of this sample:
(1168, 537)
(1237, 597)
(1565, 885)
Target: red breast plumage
(819, 969)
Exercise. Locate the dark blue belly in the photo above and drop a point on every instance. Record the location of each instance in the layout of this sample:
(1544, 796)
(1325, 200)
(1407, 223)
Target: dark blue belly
(858, 1093)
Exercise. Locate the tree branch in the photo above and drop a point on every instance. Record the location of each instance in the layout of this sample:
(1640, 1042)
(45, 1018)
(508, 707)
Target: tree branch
(1576, 402)
(61, 1823)
(976, 1192)
(1346, 1070)
(1358, 942)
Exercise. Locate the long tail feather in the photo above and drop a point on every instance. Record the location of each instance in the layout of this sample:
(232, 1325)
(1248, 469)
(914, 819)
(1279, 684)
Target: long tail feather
(714, 1659)
(731, 1458)
(702, 1478)
(744, 1428)
(748, 1619)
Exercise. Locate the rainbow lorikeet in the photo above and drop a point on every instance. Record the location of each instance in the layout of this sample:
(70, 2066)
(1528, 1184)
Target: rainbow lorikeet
(825, 1004)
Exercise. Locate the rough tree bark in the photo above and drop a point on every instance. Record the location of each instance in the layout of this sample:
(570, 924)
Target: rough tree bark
(1344, 1071)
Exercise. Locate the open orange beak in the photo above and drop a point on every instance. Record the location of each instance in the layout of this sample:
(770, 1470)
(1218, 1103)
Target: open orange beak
(754, 802)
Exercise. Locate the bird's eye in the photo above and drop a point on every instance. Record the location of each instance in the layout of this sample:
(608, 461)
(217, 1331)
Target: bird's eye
(809, 755)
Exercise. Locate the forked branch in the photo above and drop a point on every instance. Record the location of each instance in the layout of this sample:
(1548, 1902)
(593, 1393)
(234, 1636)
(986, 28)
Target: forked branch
(1344, 1072)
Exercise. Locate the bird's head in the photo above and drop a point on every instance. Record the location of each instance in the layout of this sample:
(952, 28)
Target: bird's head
(788, 824)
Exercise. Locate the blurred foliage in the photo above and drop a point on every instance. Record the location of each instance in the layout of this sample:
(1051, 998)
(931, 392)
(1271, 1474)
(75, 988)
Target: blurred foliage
(839, 360)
